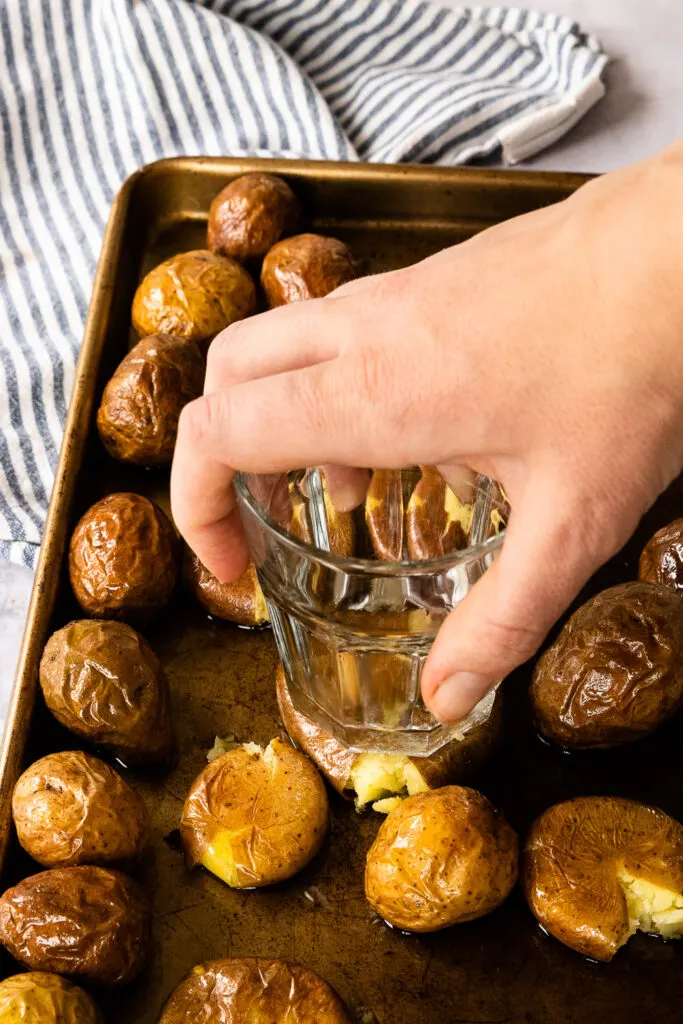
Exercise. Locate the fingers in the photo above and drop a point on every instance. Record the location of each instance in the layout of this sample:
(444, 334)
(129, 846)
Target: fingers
(346, 486)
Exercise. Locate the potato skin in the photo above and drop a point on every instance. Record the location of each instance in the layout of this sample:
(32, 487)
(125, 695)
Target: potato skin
(241, 601)
(40, 998)
(89, 922)
(661, 560)
(103, 682)
(570, 863)
(233, 991)
(71, 808)
(123, 559)
(193, 295)
(250, 215)
(615, 672)
(440, 858)
(280, 817)
(306, 267)
(138, 417)
(430, 532)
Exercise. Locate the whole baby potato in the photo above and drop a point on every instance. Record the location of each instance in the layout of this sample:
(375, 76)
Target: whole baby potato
(306, 267)
(72, 808)
(661, 560)
(254, 991)
(193, 295)
(440, 858)
(104, 683)
(90, 922)
(250, 215)
(123, 559)
(241, 601)
(40, 998)
(615, 672)
(138, 417)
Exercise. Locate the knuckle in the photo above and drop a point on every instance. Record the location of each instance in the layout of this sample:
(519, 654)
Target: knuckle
(516, 640)
(221, 348)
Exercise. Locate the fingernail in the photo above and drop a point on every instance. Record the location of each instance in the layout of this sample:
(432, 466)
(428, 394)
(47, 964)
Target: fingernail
(458, 694)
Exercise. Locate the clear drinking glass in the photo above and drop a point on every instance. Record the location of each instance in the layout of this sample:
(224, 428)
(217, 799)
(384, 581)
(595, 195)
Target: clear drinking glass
(356, 598)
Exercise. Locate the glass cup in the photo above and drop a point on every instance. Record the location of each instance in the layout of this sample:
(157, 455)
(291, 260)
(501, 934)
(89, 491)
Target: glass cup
(356, 596)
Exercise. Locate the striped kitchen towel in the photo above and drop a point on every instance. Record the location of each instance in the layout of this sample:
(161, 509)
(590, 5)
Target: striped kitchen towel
(92, 89)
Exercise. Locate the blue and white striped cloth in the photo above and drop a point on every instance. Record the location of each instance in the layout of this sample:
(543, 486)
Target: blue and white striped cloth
(92, 89)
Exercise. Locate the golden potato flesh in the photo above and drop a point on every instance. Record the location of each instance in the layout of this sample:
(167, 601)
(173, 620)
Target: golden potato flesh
(237, 991)
(40, 998)
(597, 869)
(103, 682)
(72, 808)
(661, 560)
(193, 296)
(241, 601)
(89, 922)
(123, 559)
(250, 215)
(306, 267)
(138, 417)
(255, 816)
(441, 858)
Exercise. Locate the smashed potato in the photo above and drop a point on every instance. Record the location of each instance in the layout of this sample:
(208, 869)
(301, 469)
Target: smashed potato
(250, 215)
(306, 267)
(241, 601)
(40, 998)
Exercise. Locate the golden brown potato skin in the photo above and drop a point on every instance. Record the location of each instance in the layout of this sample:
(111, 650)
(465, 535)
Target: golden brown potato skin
(241, 601)
(570, 863)
(103, 682)
(306, 267)
(279, 820)
(384, 514)
(71, 808)
(616, 670)
(455, 762)
(429, 530)
(250, 215)
(123, 559)
(138, 417)
(661, 560)
(90, 922)
(40, 998)
(193, 295)
(440, 858)
(237, 991)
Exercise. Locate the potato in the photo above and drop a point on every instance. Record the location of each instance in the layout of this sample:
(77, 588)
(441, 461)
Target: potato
(241, 601)
(193, 295)
(138, 417)
(253, 816)
(340, 527)
(104, 683)
(90, 922)
(254, 991)
(250, 215)
(39, 998)
(376, 779)
(615, 671)
(441, 858)
(305, 267)
(384, 514)
(661, 560)
(72, 808)
(597, 869)
(437, 522)
(123, 559)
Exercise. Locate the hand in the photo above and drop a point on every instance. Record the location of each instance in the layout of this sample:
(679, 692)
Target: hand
(546, 352)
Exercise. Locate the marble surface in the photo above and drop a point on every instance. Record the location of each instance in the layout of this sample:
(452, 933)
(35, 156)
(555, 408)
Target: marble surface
(641, 113)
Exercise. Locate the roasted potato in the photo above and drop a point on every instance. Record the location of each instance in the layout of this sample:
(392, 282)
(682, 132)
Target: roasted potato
(615, 671)
(89, 922)
(384, 514)
(193, 295)
(123, 559)
(72, 808)
(306, 267)
(254, 816)
(382, 780)
(597, 869)
(39, 998)
(661, 560)
(340, 528)
(104, 683)
(250, 215)
(437, 522)
(138, 417)
(441, 858)
(241, 601)
(254, 991)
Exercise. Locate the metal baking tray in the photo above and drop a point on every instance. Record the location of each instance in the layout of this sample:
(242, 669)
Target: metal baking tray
(500, 969)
